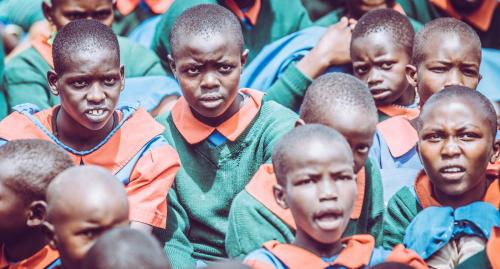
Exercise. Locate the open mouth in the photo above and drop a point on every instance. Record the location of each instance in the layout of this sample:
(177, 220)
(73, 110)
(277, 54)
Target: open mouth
(452, 172)
(211, 100)
(96, 114)
(329, 219)
(380, 93)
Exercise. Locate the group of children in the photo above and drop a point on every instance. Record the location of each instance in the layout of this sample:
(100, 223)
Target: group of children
(394, 166)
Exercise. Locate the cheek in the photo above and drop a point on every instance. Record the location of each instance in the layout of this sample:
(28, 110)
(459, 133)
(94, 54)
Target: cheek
(471, 82)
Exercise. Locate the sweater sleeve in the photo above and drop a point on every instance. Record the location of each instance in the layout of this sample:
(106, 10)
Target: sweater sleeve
(376, 200)
(178, 248)
(401, 209)
(290, 88)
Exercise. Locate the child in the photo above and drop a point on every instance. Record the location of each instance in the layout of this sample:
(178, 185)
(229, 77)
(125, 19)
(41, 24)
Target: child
(445, 52)
(82, 203)
(316, 181)
(25, 79)
(456, 131)
(381, 47)
(28, 166)
(88, 77)
(221, 134)
(123, 248)
(339, 101)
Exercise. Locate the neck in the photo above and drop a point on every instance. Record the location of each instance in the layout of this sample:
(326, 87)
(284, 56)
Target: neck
(233, 109)
(407, 98)
(306, 242)
(76, 136)
(26, 246)
(473, 195)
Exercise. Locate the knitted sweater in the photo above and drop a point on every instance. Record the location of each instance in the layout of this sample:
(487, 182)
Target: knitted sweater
(251, 223)
(209, 179)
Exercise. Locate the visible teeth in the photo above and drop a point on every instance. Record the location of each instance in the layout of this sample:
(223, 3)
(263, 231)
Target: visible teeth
(452, 170)
(96, 112)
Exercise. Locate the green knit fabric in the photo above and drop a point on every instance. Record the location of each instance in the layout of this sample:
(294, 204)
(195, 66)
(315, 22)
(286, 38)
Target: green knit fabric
(3, 102)
(25, 77)
(277, 18)
(124, 25)
(209, 179)
(401, 209)
(251, 224)
(21, 12)
(476, 261)
(423, 11)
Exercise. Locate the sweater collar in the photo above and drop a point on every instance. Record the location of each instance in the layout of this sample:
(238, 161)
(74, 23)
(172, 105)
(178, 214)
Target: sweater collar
(44, 257)
(157, 6)
(194, 131)
(481, 18)
(251, 14)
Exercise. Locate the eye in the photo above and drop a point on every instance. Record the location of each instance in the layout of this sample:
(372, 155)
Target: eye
(434, 137)
(438, 69)
(101, 15)
(192, 71)
(362, 149)
(79, 84)
(345, 177)
(109, 81)
(386, 65)
(72, 16)
(225, 68)
(469, 136)
(303, 181)
(361, 69)
(470, 72)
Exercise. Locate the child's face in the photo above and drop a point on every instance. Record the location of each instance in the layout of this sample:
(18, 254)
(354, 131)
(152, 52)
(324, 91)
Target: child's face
(455, 146)
(320, 190)
(358, 130)
(66, 11)
(89, 86)
(77, 230)
(12, 216)
(208, 71)
(448, 60)
(379, 62)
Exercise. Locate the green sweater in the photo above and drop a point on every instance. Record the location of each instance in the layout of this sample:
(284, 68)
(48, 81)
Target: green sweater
(476, 261)
(400, 211)
(424, 12)
(209, 179)
(251, 223)
(25, 77)
(124, 25)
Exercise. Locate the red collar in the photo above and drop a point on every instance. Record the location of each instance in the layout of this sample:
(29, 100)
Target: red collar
(41, 259)
(481, 18)
(251, 14)
(157, 6)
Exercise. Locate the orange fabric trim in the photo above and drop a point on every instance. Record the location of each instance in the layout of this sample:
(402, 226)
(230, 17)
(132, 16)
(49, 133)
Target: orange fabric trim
(400, 254)
(393, 110)
(251, 15)
(358, 251)
(399, 135)
(255, 264)
(481, 18)
(195, 131)
(295, 257)
(261, 188)
(493, 248)
(157, 6)
(40, 44)
(41, 259)
(423, 189)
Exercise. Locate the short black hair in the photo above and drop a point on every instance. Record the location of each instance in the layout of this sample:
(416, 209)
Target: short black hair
(300, 137)
(478, 100)
(205, 20)
(126, 248)
(438, 27)
(332, 92)
(83, 35)
(388, 20)
(29, 165)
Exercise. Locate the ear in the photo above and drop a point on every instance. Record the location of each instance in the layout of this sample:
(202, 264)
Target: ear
(52, 78)
(299, 122)
(37, 213)
(496, 152)
(47, 10)
(411, 74)
(171, 63)
(48, 229)
(244, 57)
(279, 196)
(122, 76)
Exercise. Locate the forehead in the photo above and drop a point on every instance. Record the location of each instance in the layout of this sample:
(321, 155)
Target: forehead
(353, 123)
(378, 43)
(103, 60)
(317, 151)
(82, 4)
(456, 113)
(447, 46)
(206, 46)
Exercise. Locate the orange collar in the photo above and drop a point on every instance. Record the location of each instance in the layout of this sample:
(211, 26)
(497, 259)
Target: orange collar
(251, 14)
(394, 110)
(40, 43)
(195, 131)
(493, 248)
(261, 188)
(399, 135)
(356, 254)
(423, 190)
(43, 258)
(157, 6)
(481, 18)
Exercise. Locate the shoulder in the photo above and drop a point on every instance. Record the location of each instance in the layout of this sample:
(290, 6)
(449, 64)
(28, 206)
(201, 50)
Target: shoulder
(404, 198)
(274, 111)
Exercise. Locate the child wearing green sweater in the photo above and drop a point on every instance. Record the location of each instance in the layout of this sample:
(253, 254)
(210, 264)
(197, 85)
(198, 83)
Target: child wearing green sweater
(450, 211)
(221, 134)
(339, 101)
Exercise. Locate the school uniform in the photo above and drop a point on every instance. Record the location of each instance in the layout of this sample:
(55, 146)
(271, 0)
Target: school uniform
(134, 151)
(25, 77)
(217, 164)
(358, 252)
(255, 217)
(487, 258)
(45, 258)
(3, 102)
(409, 201)
(23, 13)
(129, 14)
(485, 20)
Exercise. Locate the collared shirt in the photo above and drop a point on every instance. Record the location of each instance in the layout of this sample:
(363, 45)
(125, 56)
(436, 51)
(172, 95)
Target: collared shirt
(45, 258)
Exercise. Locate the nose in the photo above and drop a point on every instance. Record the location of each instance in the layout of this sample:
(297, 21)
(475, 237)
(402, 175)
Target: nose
(327, 190)
(374, 78)
(450, 148)
(454, 78)
(210, 81)
(96, 94)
